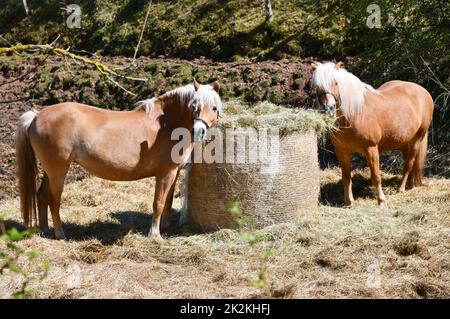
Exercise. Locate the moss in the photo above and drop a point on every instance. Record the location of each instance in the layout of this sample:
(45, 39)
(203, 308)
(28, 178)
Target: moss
(278, 78)
(250, 84)
(276, 95)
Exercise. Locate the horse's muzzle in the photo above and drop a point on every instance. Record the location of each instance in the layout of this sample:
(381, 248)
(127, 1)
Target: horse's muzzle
(199, 131)
(330, 109)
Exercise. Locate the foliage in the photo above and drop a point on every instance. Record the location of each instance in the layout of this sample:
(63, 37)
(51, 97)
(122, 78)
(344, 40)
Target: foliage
(227, 30)
(411, 44)
(253, 238)
(12, 252)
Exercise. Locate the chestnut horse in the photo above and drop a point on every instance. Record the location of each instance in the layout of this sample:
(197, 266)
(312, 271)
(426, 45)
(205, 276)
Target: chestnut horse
(119, 146)
(396, 116)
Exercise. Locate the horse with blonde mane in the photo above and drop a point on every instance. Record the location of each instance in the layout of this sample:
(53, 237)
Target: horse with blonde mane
(396, 116)
(113, 145)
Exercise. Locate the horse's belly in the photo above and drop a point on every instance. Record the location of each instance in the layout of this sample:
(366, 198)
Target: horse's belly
(114, 171)
(121, 165)
(391, 145)
(396, 139)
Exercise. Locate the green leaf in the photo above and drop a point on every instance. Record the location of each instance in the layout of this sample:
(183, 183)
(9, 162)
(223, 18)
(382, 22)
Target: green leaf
(15, 268)
(4, 215)
(267, 254)
(260, 283)
(15, 235)
(251, 238)
(234, 208)
(21, 294)
(45, 266)
(33, 254)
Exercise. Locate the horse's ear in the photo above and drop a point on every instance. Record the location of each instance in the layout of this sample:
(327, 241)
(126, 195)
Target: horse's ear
(314, 66)
(216, 86)
(196, 85)
(339, 65)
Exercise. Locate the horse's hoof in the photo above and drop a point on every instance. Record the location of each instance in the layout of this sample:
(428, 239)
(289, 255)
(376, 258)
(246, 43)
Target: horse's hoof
(401, 190)
(60, 235)
(349, 204)
(156, 237)
(382, 204)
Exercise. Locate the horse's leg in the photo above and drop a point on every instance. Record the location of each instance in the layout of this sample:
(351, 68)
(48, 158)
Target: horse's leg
(410, 182)
(56, 184)
(43, 199)
(165, 218)
(413, 150)
(162, 190)
(373, 159)
(345, 160)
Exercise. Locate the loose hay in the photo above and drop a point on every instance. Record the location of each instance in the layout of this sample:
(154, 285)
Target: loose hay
(276, 190)
(326, 257)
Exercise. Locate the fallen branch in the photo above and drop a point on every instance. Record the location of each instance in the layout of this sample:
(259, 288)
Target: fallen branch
(105, 70)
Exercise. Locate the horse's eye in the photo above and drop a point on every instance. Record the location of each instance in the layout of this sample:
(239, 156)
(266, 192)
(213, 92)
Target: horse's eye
(215, 109)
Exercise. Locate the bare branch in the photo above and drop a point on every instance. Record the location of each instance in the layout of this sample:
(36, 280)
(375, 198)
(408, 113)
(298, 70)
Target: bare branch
(142, 32)
(105, 70)
(25, 5)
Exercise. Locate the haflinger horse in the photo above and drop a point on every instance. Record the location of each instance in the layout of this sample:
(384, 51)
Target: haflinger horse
(113, 145)
(396, 116)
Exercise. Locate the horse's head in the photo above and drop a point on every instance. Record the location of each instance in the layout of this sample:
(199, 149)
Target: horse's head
(325, 86)
(205, 105)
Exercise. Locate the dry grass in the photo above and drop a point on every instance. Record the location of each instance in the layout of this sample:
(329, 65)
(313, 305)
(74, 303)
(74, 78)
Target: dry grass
(269, 115)
(326, 256)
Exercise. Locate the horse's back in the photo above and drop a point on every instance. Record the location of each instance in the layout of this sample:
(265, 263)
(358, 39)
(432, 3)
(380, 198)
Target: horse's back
(409, 90)
(403, 110)
(57, 124)
(414, 97)
(110, 144)
(60, 129)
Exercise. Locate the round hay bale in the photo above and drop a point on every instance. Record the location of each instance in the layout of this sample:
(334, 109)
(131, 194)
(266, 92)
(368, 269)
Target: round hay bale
(266, 194)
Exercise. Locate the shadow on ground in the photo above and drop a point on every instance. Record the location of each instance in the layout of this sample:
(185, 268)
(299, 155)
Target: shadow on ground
(332, 194)
(124, 222)
(110, 232)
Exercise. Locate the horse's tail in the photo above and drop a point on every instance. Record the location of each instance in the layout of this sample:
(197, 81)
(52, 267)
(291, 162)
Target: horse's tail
(420, 162)
(26, 168)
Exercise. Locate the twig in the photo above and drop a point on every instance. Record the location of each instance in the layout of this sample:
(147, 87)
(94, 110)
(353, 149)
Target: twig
(4, 39)
(120, 86)
(104, 70)
(434, 78)
(54, 41)
(142, 32)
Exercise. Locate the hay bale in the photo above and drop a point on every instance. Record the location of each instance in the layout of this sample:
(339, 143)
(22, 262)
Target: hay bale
(266, 195)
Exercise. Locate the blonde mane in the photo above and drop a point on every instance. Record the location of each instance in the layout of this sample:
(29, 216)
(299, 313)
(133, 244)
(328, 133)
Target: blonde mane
(352, 91)
(185, 95)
